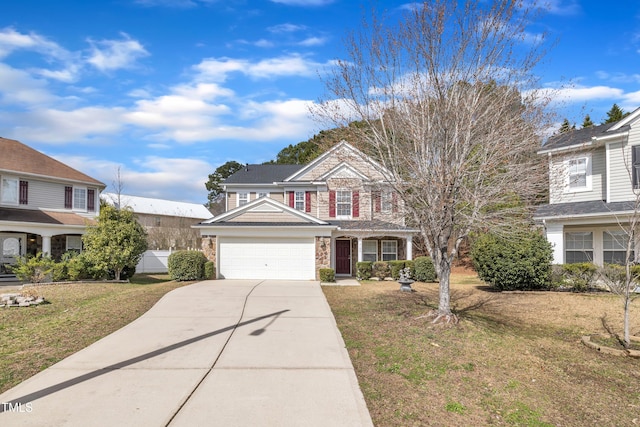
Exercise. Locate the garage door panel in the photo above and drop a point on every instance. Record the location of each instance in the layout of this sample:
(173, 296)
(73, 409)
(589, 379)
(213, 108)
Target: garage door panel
(267, 258)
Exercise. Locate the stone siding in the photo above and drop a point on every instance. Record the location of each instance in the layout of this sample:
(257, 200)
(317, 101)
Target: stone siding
(323, 254)
(209, 248)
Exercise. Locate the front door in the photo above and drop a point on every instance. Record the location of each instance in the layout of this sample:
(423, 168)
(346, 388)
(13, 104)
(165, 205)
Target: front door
(343, 257)
(11, 246)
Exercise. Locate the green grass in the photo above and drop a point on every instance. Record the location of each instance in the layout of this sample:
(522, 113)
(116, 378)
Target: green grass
(75, 315)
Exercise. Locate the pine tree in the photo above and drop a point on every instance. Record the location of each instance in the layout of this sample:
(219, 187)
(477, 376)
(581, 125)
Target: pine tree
(615, 114)
(587, 122)
(565, 126)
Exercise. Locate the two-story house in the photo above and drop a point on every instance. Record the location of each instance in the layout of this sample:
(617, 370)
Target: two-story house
(594, 180)
(288, 221)
(45, 205)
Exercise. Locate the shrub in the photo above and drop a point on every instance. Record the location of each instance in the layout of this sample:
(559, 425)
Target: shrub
(381, 269)
(523, 262)
(327, 275)
(410, 264)
(424, 271)
(33, 269)
(209, 270)
(186, 265)
(579, 276)
(363, 270)
(395, 267)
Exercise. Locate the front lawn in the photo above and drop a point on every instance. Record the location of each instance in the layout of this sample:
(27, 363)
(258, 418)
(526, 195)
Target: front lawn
(34, 338)
(515, 359)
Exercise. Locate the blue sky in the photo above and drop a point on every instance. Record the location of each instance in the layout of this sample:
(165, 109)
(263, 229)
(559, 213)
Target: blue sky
(168, 90)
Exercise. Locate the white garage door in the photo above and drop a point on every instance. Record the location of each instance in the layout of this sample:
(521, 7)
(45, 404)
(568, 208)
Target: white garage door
(267, 258)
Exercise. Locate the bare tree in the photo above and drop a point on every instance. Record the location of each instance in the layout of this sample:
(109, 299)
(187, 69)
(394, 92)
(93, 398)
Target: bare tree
(451, 107)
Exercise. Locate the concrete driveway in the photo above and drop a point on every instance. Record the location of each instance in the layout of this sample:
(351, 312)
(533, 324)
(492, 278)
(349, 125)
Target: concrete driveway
(216, 353)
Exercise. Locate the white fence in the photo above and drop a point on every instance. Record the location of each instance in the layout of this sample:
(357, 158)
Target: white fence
(154, 262)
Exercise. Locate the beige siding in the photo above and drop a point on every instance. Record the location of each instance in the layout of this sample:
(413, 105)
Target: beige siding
(337, 157)
(265, 217)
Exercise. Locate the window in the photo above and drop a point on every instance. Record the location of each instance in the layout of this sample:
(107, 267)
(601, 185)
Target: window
(80, 198)
(343, 203)
(578, 247)
(387, 201)
(389, 250)
(578, 173)
(262, 194)
(370, 250)
(9, 190)
(74, 243)
(635, 160)
(614, 247)
(243, 199)
(299, 201)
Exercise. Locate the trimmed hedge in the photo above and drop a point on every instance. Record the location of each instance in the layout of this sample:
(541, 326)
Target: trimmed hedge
(381, 269)
(209, 270)
(424, 271)
(522, 262)
(396, 266)
(579, 276)
(363, 270)
(186, 265)
(327, 275)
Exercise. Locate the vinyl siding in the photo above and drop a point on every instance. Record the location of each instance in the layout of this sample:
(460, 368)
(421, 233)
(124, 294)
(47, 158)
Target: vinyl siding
(558, 190)
(620, 186)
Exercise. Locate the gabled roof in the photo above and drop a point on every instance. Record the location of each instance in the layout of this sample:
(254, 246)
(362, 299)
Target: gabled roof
(264, 207)
(23, 160)
(262, 174)
(589, 135)
(147, 205)
(581, 209)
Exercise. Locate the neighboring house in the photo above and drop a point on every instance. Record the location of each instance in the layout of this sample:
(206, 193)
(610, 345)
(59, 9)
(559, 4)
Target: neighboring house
(288, 221)
(168, 223)
(45, 205)
(592, 174)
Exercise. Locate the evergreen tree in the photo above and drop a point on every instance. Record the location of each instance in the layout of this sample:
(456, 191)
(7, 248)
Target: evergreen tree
(587, 122)
(615, 114)
(116, 242)
(565, 126)
(215, 179)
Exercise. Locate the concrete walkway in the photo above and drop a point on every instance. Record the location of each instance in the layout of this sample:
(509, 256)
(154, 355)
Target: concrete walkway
(216, 353)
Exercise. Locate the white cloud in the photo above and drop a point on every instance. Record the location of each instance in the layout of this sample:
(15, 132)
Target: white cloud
(286, 28)
(108, 55)
(304, 2)
(11, 40)
(263, 43)
(578, 93)
(618, 77)
(313, 41)
(217, 69)
(18, 87)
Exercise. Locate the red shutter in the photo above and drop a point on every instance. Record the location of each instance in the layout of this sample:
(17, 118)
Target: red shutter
(68, 197)
(307, 201)
(91, 200)
(356, 204)
(292, 199)
(394, 202)
(24, 192)
(332, 204)
(377, 201)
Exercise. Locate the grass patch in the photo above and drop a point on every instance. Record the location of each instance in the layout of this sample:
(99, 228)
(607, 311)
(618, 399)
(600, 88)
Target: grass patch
(76, 315)
(515, 359)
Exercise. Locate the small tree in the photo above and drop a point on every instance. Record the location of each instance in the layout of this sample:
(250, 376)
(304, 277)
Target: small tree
(117, 241)
(615, 114)
(587, 122)
(565, 126)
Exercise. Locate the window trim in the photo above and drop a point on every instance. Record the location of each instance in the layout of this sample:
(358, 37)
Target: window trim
(583, 250)
(364, 252)
(296, 200)
(67, 248)
(587, 172)
(338, 203)
(74, 199)
(383, 253)
(244, 193)
(16, 180)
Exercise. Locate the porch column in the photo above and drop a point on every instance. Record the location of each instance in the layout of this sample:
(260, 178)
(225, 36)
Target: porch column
(410, 247)
(555, 236)
(359, 249)
(46, 245)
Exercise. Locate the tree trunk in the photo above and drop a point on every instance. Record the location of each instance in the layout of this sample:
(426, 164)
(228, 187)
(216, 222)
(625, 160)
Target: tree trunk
(444, 313)
(627, 338)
